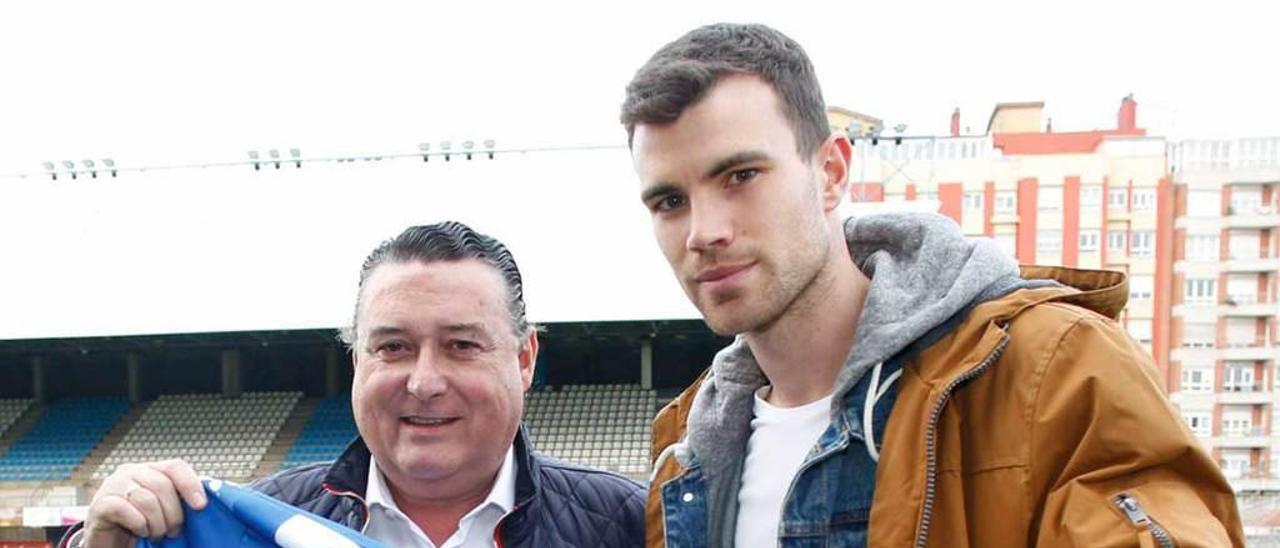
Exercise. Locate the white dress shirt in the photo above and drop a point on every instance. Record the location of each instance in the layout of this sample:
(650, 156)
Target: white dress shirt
(476, 529)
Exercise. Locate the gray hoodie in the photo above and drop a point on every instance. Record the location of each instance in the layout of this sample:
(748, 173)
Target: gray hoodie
(923, 272)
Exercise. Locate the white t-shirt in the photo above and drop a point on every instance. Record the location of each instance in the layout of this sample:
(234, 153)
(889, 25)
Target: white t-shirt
(387, 524)
(781, 437)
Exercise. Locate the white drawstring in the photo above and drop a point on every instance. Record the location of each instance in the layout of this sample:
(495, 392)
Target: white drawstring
(662, 459)
(874, 393)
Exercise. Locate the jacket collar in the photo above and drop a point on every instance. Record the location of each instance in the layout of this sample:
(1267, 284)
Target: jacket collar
(350, 471)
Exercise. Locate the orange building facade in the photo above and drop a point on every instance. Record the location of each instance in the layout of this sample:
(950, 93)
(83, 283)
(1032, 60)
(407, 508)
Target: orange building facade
(1193, 223)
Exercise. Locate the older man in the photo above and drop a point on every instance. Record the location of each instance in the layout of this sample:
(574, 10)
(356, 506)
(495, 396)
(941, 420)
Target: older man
(442, 354)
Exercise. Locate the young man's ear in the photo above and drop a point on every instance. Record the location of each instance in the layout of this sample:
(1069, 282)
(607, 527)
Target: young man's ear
(835, 157)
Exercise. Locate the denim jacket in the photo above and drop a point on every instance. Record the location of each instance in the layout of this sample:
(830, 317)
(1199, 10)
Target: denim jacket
(830, 498)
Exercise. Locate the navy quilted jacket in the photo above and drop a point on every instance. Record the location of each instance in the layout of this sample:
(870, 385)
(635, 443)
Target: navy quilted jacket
(557, 504)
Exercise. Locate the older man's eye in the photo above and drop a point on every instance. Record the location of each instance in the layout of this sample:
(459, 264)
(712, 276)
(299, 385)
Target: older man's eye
(390, 349)
(464, 345)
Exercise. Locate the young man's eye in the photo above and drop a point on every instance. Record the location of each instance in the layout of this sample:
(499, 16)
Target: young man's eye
(669, 202)
(743, 175)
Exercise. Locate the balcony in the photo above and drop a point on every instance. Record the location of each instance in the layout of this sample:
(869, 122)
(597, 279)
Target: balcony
(1244, 307)
(1117, 258)
(1256, 437)
(1244, 394)
(1194, 353)
(1193, 400)
(1252, 217)
(1250, 352)
(1199, 309)
(1256, 264)
(1000, 218)
(1255, 482)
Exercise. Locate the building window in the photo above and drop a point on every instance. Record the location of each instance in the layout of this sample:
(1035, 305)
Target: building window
(1238, 377)
(1049, 198)
(1246, 200)
(1115, 241)
(1242, 288)
(1142, 244)
(1197, 380)
(973, 201)
(1202, 247)
(1236, 423)
(1244, 244)
(1006, 203)
(1090, 196)
(1144, 199)
(1117, 198)
(1140, 330)
(1242, 332)
(1049, 241)
(1140, 287)
(1204, 203)
(1200, 290)
(1235, 466)
(1198, 422)
(1089, 241)
(1199, 335)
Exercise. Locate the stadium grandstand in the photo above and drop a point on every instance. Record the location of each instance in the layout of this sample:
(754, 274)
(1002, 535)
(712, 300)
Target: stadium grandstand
(191, 312)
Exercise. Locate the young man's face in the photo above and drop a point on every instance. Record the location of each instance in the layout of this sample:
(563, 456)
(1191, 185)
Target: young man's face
(439, 375)
(739, 214)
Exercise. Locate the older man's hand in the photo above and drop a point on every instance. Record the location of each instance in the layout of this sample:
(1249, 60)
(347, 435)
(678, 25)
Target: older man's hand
(142, 500)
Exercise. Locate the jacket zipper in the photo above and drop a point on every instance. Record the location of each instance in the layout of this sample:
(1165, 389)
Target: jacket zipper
(1132, 510)
(931, 438)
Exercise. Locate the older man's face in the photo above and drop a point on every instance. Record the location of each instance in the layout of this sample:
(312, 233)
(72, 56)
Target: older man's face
(439, 375)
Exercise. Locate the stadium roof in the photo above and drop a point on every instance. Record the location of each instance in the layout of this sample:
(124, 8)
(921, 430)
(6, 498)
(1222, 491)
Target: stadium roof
(234, 249)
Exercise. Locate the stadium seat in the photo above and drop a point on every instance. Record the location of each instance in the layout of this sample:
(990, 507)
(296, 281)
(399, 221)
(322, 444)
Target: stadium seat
(64, 434)
(329, 430)
(221, 437)
(603, 426)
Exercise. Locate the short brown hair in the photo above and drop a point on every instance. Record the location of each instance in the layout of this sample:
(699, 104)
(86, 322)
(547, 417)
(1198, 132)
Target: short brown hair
(682, 72)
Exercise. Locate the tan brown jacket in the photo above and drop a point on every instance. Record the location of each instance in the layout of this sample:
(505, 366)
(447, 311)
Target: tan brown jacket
(1036, 448)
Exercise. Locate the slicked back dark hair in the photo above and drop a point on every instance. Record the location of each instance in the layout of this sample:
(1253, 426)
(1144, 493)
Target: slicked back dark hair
(682, 72)
(445, 242)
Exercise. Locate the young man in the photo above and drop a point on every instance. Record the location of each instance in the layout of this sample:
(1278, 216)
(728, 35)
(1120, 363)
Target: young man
(443, 355)
(892, 383)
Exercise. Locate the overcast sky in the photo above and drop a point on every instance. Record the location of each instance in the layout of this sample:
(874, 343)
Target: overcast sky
(164, 82)
(208, 250)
